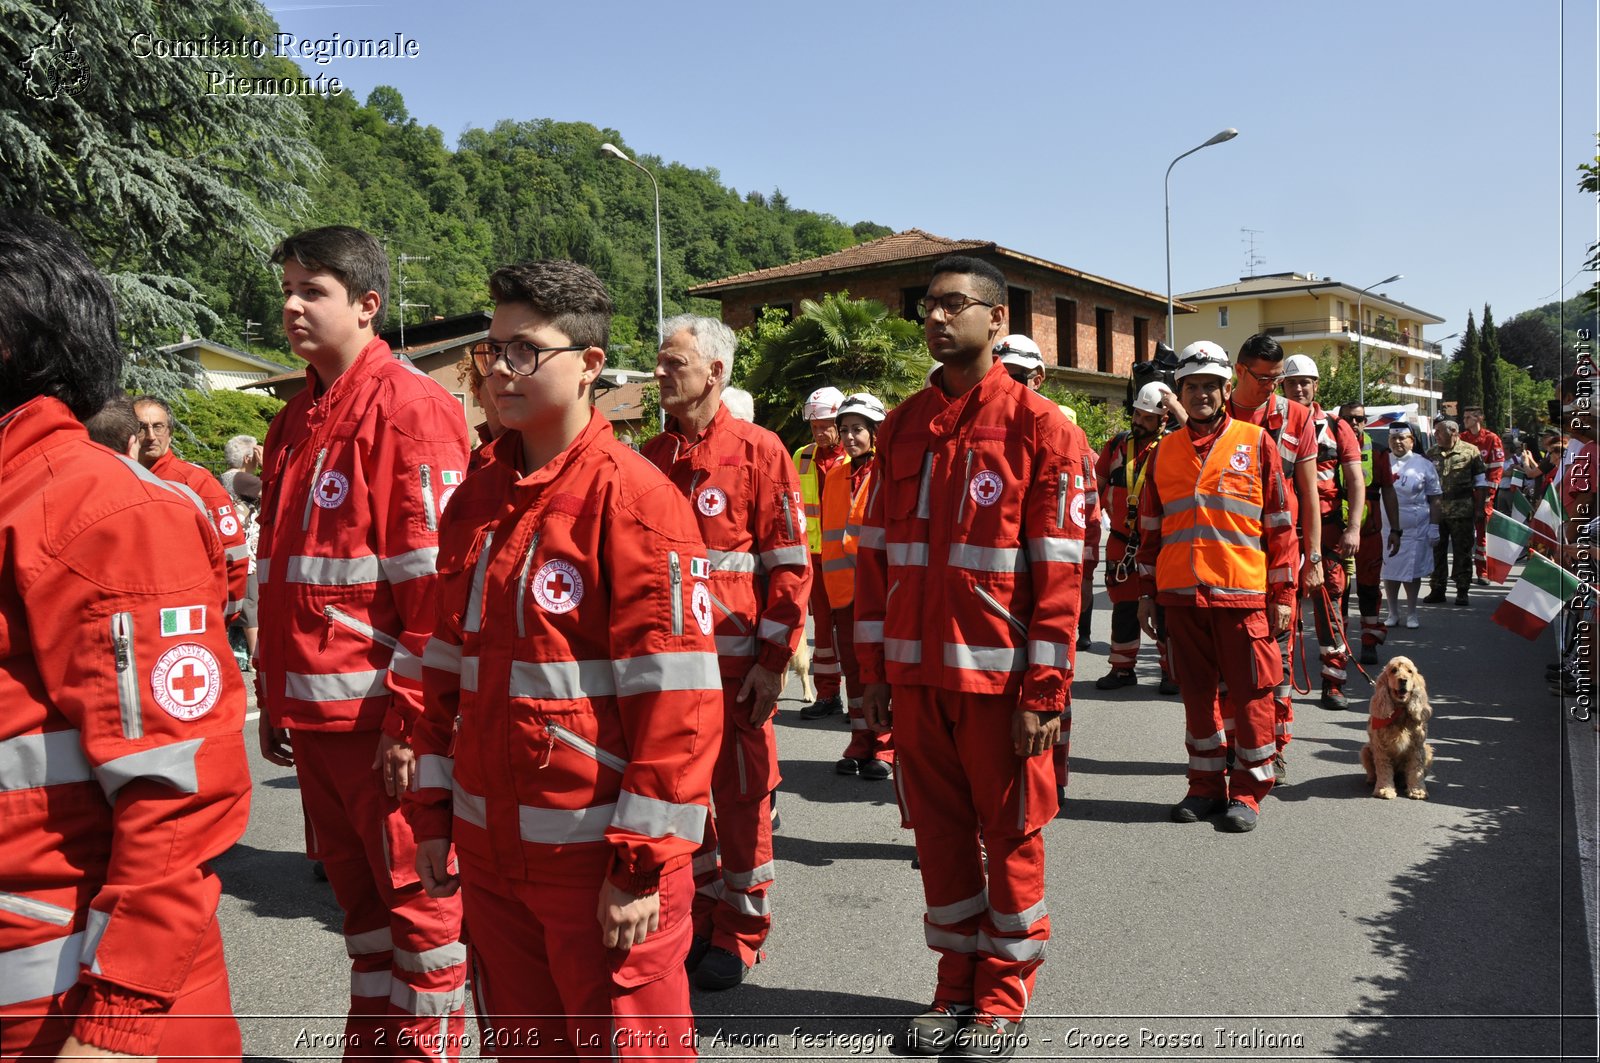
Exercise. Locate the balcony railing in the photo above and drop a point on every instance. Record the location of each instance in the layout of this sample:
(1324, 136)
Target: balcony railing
(1382, 331)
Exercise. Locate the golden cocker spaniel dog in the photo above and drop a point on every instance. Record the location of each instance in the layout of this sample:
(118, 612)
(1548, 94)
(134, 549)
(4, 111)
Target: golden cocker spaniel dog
(1397, 732)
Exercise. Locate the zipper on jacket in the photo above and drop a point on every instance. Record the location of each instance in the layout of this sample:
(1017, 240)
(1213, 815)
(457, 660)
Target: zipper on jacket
(677, 592)
(311, 495)
(334, 615)
(127, 675)
(892, 588)
(586, 747)
(788, 515)
(522, 587)
(42, 911)
(966, 488)
(426, 475)
(1001, 611)
(1061, 501)
(472, 619)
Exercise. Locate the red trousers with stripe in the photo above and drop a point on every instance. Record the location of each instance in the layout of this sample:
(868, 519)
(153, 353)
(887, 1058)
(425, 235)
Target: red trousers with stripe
(1212, 646)
(865, 743)
(1332, 648)
(407, 962)
(546, 986)
(825, 670)
(733, 867)
(977, 811)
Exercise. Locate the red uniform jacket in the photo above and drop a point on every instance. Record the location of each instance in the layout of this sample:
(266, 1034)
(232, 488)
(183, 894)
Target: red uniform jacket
(354, 481)
(574, 648)
(122, 767)
(1493, 450)
(219, 508)
(1289, 425)
(1337, 446)
(969, 569)
(746, 497)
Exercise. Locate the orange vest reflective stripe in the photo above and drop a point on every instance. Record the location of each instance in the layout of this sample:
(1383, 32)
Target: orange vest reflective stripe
(1211, 521)
(842, 513)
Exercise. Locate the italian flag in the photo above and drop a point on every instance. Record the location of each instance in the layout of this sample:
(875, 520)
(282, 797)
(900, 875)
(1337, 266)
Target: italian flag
(1537, 598)
(1521, 508)
(1550, 515)
(1505, 542)
(186, 620)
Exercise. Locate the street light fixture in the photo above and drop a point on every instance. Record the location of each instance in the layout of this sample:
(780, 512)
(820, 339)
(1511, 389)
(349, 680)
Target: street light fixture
(1433, 398)
(1361, 364)
(612, 149)
(1225, 135)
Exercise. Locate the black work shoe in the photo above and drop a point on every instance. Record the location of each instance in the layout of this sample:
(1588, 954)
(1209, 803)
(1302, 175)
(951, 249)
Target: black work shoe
(719, 969)
(1461, 598)
(987, 1038)
(847, 766)
(1434, 598)
(1479, 581)
(1194, 808)
(1084, 642)
(874, 769)
(1168, 686)
(1333, 699)
(1116, 679)
(1061, 797)
(319, 872)
(1280, 769)
(1240, 818)
(697, 952)
(935, 1029)
(777, 820)
(1369, 655)
(821, 708)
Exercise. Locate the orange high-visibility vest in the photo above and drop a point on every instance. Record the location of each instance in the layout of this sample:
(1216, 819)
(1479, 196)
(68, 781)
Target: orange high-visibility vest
(842, 512)
(1211, 519)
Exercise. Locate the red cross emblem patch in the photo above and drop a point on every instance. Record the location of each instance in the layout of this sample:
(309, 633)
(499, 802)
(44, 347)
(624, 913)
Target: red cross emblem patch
(557, 587)
(700, 606)
(331, 489)
(712, 501)
(186, 681)
(985, 488)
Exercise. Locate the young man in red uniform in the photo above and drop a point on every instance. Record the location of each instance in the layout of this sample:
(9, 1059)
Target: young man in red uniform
(747, 500)
(122, 770)
(573, 705)
(1217, 551)
(812, 464)
(1341, 496)
(1260, 368)
(358, 467)
(1379, 481)
(967, 592)
(1493, 450)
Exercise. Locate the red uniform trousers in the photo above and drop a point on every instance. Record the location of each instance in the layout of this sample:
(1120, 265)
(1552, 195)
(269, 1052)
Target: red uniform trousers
(545, 985)
(1369, 583)
(199, 1027)
(1126, 635)
(407, 963)
(1220, 645)
(1480, 533)
(733, 869)
(865, 743)
(825, 640)
(1332, 648)
(977, 809)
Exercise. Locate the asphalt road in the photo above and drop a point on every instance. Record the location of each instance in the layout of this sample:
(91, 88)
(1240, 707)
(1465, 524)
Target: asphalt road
(1343, 927)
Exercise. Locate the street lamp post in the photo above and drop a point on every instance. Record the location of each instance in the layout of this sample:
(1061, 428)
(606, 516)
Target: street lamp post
(1433, 397)
(1225, 135)
(1361, 364)
(612, 149)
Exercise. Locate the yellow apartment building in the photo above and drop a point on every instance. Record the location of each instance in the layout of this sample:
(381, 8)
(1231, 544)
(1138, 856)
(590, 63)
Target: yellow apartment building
(1306, 313)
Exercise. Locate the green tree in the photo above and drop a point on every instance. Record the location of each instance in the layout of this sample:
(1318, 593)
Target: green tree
(1468, 382)
(1590, 182)
(207, 420)
(1339, 379)
(1496, 400)
(1099, 420)
(1529, 340)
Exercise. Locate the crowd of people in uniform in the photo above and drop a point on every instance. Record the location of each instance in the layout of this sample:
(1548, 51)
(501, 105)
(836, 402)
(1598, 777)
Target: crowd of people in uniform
(527, 687)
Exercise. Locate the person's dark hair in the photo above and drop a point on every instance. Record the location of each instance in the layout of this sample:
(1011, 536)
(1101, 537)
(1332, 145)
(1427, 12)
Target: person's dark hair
(1471, 409)
(353, 256)
(1260, 348)
(114, 424)
(58, 324)
(989, 281)
(570, 295)
(155, 400)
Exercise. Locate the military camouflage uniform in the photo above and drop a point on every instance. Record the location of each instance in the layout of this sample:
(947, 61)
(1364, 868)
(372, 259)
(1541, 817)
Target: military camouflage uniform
(1461, 473)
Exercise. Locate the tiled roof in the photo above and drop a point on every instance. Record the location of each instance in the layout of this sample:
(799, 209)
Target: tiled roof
(625, 403)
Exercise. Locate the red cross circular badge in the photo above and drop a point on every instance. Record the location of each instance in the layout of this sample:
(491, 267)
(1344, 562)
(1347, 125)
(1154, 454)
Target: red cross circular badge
(700, 606)
(712, 501)
(1080, 506)
(186, 681)
(557, 587)
(228, 525)
(331, 489)
(985, 488)
(1239, 462)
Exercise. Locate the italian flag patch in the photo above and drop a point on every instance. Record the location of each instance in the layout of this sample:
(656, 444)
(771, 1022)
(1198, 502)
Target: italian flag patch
(185, 620)
(451, 477)
(700, 567)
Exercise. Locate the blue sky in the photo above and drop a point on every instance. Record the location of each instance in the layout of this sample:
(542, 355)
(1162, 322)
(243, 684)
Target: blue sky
(1439, 140)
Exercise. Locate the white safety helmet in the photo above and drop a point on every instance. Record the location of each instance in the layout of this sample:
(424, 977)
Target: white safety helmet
(864, 405)
(1149, 398)
(1020, 351)
(822, 405)
(1203, 358)
(1299, 365)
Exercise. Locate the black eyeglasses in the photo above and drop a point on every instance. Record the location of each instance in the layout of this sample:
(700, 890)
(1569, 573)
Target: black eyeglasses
(1271, 380)
(155, 428)
(1355, 418)
(521, 356)
(952, 304)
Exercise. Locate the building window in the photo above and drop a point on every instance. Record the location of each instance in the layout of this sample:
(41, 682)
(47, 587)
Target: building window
(1067, 332)
(909, 298)
(1222, 317)
(1141, 339)
(1102, 339)
(1020, 304)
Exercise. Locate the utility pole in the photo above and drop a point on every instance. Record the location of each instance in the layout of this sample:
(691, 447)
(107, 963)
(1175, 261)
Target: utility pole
(400, 291)
(249, 333)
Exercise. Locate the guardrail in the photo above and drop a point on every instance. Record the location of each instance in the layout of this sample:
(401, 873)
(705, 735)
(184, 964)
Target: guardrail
(1385, 332)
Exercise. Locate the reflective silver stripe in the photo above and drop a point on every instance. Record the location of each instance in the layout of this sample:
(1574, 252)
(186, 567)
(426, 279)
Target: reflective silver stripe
(93, 932)
(586, 747)
(1048, 654)
(368, 942)
(785, 555)
(1280, 519)
(1145, 570)
(869, 630)
(442, 656)
(667, 671)
(335, 686)
(704, 862)
(41, 970)
(263, 566)
(361, 627)
(1018, 922)
(1258, 753)
(908, 554)
(561, 680)
(1150, 523)
(871, 538)
(429, 510)
(839, 564)
(1326, 475)
(1264, 772)
(731, 560)
(232, 608)
(1205, 745)
(986, 558)
(1064, 551)
(40, 911)
(1208, 500)
(127, 675)
(414, 1001)
(949, 914)
(994, 606)
(773, 631)
(311, 492)
(1061, 501)
(1023, 950)
(469, 673)
(949, 941)
(985, 658)
(469, 806)
(472, 620)
(924, 487)
(423, 561)
(237, 553)
(833, 535)
(736, 645)
(745, 904)
(1279, 575)
(738, 621)
(435, 959)
(435, 771)
(1330, 672)
(371, 983)
(655, 818)
(902, 651)
(1220, 535)
(1207, 763)
(743, 880)
(333, 571)
(562, 826)
(857, 723)
(172, 764)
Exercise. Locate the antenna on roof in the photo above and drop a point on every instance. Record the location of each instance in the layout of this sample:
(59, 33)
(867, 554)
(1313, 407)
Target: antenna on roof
(1251, 258)
(400, 291)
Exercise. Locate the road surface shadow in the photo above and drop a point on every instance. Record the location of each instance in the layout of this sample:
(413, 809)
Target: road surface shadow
(755, 1020)
(277, 885)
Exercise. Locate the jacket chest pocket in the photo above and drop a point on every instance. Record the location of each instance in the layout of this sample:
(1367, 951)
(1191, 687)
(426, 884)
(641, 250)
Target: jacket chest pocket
(986, 494)
(908, 483)
(720, 497)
